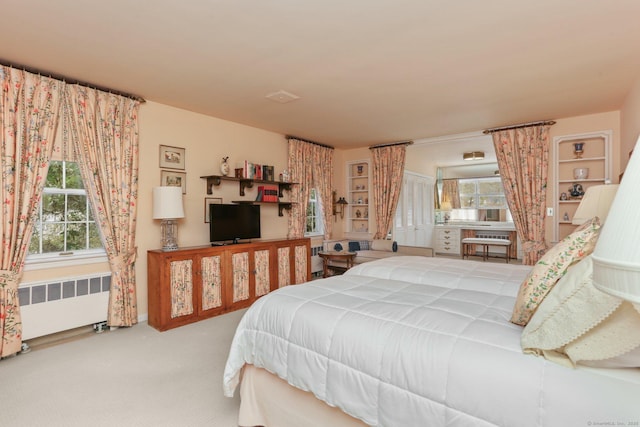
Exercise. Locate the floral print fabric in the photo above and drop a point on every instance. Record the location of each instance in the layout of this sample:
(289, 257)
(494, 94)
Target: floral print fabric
(284, 268)
(262, 272)
(388, 169)
(211, 282)
(181, 288)
(240, 263)
(551, 267)
(29, 111)
(523, 158)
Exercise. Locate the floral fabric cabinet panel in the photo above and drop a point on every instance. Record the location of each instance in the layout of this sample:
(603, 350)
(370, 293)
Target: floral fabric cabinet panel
(211, 282)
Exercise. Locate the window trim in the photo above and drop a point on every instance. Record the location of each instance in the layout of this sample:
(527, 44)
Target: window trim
(64, 259)
(319, 216)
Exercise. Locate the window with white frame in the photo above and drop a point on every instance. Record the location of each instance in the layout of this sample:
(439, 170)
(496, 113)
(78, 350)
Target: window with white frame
(64, 223)
(482, 193)
(315, 224)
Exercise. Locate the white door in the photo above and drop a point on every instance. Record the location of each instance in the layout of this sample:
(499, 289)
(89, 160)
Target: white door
(413, 225)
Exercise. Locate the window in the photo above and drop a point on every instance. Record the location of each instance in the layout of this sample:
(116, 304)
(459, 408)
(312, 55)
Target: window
(64, 223)
(315, 225)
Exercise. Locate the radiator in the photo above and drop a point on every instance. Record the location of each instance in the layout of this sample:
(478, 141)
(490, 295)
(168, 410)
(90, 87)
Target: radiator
(316, 261)
(58, 305)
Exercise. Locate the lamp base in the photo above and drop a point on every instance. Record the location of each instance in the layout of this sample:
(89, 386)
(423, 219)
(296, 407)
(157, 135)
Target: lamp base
(169, 230)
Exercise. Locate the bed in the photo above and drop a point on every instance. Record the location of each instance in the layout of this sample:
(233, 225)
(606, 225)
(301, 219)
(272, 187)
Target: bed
(410, 341)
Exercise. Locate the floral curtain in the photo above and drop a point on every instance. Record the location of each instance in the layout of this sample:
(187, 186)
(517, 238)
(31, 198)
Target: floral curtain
(29, 110)
(388, 169)
(310, 165)
(104, 132)
(523, 157)
(450, 193)
(322, 176)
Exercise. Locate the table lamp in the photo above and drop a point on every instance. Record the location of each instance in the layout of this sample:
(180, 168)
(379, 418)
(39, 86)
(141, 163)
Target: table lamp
(167, 206)
(595, 202)
(616, 257)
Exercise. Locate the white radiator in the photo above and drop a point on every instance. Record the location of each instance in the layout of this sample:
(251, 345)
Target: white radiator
(62, 304)
(316, 261)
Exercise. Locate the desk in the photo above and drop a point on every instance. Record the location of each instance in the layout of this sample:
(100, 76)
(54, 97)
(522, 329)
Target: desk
(346, 257)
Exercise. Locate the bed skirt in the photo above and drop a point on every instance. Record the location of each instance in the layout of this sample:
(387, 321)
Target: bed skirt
(269, 401)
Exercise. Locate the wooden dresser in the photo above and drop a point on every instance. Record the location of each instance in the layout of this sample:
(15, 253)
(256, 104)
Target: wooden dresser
(192, 284)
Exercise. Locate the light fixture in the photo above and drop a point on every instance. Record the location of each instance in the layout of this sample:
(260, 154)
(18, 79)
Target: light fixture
(473, 155)
(616, 257)
(167, 206)
(338, 205)
(595, 202)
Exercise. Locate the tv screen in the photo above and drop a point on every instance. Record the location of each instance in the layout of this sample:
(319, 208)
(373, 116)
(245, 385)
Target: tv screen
(233, 222)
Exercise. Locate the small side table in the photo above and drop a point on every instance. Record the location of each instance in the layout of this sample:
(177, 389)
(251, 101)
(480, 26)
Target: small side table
(346, 257)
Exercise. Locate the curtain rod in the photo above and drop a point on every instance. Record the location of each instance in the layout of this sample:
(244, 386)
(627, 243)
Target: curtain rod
(390, 144)
(310, 142)
(70, 81)
(524, 125)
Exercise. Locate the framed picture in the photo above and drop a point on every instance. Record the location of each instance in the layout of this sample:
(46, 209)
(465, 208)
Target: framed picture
(174, 179)
(208, 201)
(172, 157)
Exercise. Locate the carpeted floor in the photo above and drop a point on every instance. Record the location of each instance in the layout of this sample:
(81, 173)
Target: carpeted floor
(127, 377)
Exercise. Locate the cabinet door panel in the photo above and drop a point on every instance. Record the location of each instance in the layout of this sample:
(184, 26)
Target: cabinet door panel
(181, 288)
(240, 262)
(263, 283)
(284, 267)
(301, 264)
(211, 282)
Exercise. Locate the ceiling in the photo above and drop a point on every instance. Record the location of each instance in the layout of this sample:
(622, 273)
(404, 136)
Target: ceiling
(365, 71)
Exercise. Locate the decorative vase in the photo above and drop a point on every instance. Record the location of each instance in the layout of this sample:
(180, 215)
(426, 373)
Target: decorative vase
(578, 149)
(581, 173)
(224, 166)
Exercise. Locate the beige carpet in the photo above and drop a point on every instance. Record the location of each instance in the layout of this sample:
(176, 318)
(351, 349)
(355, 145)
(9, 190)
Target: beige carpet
(127, 377)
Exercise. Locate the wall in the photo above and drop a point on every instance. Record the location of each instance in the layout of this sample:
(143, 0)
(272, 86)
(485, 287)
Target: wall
(630, 123)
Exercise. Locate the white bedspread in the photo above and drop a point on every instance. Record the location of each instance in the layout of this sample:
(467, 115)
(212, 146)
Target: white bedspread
(413, 341)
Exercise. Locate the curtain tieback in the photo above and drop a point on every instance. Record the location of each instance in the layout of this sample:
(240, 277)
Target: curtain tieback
(8, 277)
(534, 246)
(120, 262)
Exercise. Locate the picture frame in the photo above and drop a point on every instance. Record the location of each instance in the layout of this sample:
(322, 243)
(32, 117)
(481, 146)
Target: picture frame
(172, 157)
(208, 201)
(174, 179)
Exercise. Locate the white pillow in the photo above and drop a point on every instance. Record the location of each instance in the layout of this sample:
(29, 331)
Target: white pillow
(577, 323)
(382, 245)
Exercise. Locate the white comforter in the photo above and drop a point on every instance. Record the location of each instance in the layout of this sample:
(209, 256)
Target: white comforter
(413, 341)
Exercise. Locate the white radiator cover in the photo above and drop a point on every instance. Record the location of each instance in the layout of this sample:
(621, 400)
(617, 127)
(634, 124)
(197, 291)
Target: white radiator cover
(58, 305)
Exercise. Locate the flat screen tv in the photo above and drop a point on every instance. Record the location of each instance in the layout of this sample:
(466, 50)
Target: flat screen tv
(233, 222)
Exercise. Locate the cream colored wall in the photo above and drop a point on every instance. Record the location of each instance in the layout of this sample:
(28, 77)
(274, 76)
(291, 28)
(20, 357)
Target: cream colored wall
(630, 123)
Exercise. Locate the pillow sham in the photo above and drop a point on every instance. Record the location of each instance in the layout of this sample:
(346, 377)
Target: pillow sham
(354, 246)
(578, 324)
(551, 267)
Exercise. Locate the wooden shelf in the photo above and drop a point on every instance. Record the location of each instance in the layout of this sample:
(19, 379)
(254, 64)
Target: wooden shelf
(245, 183)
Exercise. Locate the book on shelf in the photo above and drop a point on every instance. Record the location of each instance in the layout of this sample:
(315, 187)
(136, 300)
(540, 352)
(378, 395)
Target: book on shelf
(268, 193)
(268, 173)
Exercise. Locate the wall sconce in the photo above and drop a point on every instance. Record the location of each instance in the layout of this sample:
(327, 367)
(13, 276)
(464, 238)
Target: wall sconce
(338, 206)
(167, 206)
(473, 155)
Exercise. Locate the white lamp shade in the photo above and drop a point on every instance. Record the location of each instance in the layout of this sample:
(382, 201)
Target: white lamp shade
(596, 201)
(167, 203)
(616, 257)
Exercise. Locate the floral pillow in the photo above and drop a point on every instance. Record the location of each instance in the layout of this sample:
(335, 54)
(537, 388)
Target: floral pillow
(551, 267)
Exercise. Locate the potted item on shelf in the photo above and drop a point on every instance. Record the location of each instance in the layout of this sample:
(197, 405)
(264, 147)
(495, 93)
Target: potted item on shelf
(224, 166)
(360, 169)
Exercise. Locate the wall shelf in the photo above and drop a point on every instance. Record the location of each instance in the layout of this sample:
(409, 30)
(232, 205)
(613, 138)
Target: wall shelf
(244, 183)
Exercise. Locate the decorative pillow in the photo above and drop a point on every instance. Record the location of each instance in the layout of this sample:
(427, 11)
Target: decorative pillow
(364, 245)
(382, 245)
(394, 247)
(551, 267)
(577, 323)
(337, 247)
(354, 246)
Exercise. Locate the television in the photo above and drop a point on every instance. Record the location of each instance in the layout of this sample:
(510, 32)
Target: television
(233, 222)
